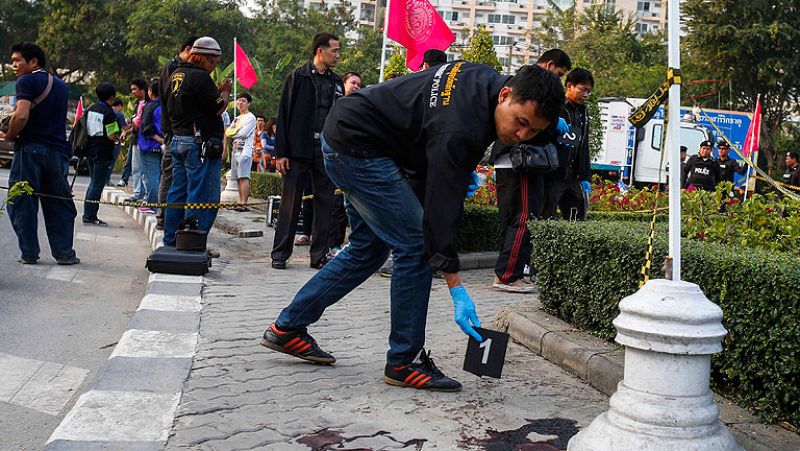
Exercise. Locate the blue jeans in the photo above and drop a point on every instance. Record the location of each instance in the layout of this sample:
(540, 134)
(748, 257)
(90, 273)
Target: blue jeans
(138, 179)
(98, 173)
(151, 174)
(117, 150)
(384, 215)
(46, 171)
(192, 181)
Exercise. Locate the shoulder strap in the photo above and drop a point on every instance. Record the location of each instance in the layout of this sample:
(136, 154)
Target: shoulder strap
(44, 93)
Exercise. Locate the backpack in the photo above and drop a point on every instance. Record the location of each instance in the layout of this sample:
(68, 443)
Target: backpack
(79, 138)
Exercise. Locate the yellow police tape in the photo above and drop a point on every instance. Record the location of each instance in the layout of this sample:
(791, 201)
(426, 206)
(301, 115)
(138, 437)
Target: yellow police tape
(185, 205)
(785, 185)
(648, 258)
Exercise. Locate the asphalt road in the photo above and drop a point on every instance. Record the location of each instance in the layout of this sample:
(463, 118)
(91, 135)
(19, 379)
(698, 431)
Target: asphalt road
(58, 324)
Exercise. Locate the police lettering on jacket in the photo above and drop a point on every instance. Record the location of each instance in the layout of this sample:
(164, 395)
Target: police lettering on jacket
(702, 172)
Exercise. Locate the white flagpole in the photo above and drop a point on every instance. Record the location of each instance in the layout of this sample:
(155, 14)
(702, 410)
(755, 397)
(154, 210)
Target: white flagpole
(673, 141)
(383, 46)
(234, 77)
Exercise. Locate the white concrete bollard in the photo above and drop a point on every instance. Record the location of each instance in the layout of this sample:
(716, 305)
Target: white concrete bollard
(669, 330)
(231, 192)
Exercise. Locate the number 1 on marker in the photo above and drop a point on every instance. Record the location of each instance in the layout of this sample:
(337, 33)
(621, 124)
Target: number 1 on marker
(487, 345)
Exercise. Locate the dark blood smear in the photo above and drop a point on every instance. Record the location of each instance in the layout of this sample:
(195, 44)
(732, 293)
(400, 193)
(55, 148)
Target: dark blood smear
(517, 439)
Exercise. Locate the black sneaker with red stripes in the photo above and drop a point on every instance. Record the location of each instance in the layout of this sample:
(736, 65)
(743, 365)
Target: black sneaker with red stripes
(295, 342)
(421, 373)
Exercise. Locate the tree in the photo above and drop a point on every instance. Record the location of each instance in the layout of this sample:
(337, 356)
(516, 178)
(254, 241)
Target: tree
(364, 55)
(752, 44)
(19, 20)
(396, 66)
(481, 49)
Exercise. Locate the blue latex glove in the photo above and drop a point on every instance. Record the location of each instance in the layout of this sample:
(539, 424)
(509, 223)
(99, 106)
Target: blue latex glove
(562, 126)
(465, 312)
(473, 187)
(587, 187)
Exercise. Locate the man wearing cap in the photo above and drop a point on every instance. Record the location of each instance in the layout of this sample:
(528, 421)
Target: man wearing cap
(195, 105)
(702, 170)
(433, 58)
(727, 165)
(792, 174)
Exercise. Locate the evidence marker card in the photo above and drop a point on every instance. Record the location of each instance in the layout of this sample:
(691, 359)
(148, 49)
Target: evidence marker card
(486, 358)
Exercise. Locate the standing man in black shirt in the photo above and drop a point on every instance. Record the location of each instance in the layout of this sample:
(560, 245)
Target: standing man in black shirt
(308, 95)
(520, 196)
(103, 130)
(702, 170)
(727, 165)
(403, 153)
(567, 185)
(166, 126)
(195, 105)
(792, 174)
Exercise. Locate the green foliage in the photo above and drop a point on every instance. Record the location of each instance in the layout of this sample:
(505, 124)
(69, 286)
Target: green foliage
(584, 269)
(753, 44)
(480, 229)
(481, 49)
(603, 41)
(265, 184)
(363, 56)
(396, 66)
(606, 196)
(19, 20)
(16, 190)
(637, 216)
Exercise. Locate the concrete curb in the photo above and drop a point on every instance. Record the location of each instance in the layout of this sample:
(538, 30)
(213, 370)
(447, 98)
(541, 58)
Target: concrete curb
(131, 402)
(476, 260)
(600, 363)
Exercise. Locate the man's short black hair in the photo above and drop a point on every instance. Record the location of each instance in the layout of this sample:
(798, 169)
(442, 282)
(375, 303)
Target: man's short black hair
(116, 102)
(322, 40)
(260, 116)
(140, 83)
(558, 57)
(29, 51)
(534, 83)
(245, 96)
(795, 155)
(189, 42)
(580, 75)
(684, 149)
(105, 91)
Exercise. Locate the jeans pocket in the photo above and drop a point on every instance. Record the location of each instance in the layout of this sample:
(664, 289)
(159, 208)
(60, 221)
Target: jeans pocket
(181, 149)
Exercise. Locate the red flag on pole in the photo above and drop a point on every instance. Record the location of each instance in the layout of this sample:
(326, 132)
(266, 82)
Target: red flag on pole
(751, 141)
(244, 69)
(415, 25)
(78, 111)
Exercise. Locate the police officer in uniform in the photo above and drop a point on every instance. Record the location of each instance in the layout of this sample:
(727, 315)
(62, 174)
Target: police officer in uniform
(792, 174)
(702, 170)
(728, 166)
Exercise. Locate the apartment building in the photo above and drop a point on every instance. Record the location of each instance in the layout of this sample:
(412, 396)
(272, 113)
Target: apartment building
(509, 21)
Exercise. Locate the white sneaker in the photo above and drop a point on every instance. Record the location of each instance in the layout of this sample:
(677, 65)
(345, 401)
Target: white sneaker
(517, 286)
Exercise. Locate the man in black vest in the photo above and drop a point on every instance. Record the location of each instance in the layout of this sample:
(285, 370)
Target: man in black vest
(308, 95)
(702, 170)
(792, 174)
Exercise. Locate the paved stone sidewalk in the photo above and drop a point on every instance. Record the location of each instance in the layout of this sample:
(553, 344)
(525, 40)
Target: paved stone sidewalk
(240, 395)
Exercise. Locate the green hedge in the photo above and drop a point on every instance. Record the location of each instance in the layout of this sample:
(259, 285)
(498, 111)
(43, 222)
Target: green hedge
(265, 184)
(480, 229)
(585, 269)
(626, 216)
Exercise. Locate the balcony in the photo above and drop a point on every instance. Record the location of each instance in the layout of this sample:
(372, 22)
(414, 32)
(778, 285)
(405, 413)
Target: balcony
(462, 4)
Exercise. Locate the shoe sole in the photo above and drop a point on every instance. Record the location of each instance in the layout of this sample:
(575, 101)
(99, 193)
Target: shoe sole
(391, 381)
(510, 289)
(385, 274)
(276, 347)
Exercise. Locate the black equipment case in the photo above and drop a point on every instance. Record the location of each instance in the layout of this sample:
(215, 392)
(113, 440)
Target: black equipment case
(171, 261)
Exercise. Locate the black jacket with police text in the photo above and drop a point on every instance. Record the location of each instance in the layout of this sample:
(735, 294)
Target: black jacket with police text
(297, 113)
(702, 173)
(792, 176)
(436, 125)
(728, 167)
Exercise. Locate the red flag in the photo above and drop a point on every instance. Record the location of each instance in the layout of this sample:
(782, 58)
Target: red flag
(78, 111)
(415, 25)
(751, 141)
(244, 69)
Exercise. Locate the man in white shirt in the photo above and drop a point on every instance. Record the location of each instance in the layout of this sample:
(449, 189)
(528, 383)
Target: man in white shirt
(240, 133)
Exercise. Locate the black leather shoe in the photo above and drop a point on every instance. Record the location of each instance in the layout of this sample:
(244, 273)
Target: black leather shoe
(278, 264)
(319, 264)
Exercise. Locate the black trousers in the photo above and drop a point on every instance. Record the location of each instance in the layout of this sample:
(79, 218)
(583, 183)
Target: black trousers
(519, 198)
(567, 196)
(338, 222)
(166, 178)
(291, 194)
